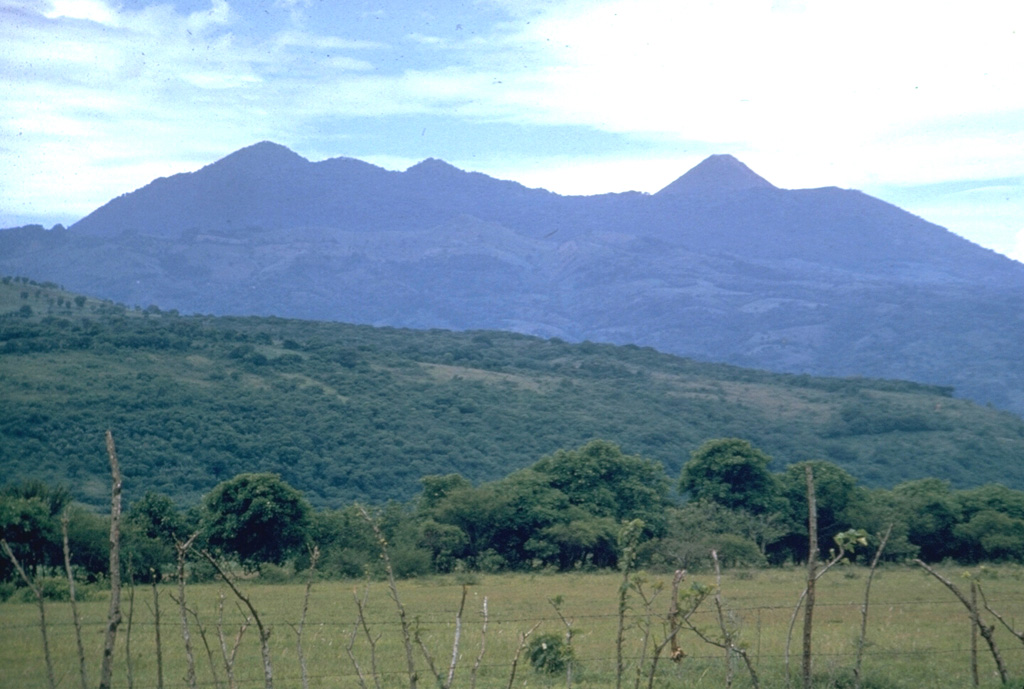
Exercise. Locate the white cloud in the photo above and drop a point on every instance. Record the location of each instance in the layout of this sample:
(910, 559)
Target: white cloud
(1016, 252)
(740, 69)
(219, 14)
(91, 10)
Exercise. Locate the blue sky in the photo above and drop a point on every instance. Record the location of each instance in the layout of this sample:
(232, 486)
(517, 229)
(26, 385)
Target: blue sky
(918, 103)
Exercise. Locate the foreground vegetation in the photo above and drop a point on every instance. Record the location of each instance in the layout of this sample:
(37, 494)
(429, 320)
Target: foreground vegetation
(564, 513)
(474, 397)
(918, 635)
(346, 413)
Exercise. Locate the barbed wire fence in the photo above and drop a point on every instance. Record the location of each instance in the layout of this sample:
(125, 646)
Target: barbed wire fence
(593, 654)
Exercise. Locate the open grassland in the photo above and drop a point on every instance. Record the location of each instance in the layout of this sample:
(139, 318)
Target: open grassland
(918, 634)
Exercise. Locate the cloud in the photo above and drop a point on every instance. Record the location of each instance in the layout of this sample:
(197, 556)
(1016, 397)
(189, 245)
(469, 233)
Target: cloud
(91, 10)
(874, 95)
(1016, 252)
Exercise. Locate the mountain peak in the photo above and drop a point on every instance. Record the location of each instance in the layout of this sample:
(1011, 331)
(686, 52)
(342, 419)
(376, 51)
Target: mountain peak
(433, 166)
(263, 155)
(717, 173)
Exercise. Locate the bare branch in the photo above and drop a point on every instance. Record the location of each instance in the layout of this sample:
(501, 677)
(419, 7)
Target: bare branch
(983, 629)
(313, 559)
(483, 645)
(42, 609)
(65, 520)
(229, 657)
(181, 550)
(382, 543)
(455, 643)
(114, 614)
(1002, 621)
(156, 629)
(861, 640)
(268, 671)
(371, 640)
(519, 651)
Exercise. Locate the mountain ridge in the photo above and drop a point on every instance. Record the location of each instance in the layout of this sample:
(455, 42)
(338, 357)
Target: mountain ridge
(719, 265)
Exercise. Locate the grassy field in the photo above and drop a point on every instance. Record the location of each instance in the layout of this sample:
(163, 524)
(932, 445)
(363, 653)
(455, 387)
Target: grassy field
(918, 633)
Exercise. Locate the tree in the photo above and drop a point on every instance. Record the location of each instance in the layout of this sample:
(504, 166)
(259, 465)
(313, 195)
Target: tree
(931, 512)
(30, 522)
(526, 505)
(32, 533)
(151, 527)
(990, 536)
(602, 480)
(732, 473)
(837, 495)
(257, 518)
(346, 542)
(436, 488)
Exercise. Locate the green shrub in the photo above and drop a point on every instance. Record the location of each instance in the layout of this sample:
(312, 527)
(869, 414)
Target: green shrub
(550, 654)
(54, 589)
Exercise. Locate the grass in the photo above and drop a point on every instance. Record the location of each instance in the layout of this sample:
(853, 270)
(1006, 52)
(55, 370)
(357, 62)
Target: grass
(918, 634)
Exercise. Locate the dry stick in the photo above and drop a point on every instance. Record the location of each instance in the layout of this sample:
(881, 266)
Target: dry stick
(206, 644)
(229, 658)
(673, 616)
(519, 651)
(984, 600)
(674, 625)
(64, 523)
(370, 638)
(455, 644)
(556, 603)
(38, 591)
(644, 623)
(807, 593)
(812, 566)
(156, 629)
(986, 631)
(628, 537)
(728, 636)
(620, 630)
(442, 682)
(114, 614)
(799, 603)
(313, 558)
(410, 660)
(861, 640)
(268, 670)
(727, 643)
(181, 549)
(974, 637)
(483, 645)
(128, 630)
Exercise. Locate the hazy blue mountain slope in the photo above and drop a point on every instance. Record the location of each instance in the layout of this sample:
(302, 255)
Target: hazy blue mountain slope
(720, 265)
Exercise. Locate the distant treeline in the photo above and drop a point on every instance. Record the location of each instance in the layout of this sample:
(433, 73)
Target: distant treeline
(354, 413)
(565, 512)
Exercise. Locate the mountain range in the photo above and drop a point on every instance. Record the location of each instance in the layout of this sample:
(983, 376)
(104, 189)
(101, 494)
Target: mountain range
(720, 265)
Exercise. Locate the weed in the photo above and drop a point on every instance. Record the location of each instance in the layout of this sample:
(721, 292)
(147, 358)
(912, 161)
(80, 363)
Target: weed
(549, 654)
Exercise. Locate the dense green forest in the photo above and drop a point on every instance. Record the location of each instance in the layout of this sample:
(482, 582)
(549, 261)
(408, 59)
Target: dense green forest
(347, 413)
(579, 509)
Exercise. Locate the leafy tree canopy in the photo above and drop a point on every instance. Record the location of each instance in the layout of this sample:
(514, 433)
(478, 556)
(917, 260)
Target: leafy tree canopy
(257, 518)
(608, 483)
(732, 473)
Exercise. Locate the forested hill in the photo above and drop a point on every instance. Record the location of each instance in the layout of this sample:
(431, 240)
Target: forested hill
(347, 412)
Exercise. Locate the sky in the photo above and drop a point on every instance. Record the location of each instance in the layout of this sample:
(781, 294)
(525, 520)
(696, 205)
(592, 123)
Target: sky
(919, 103)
